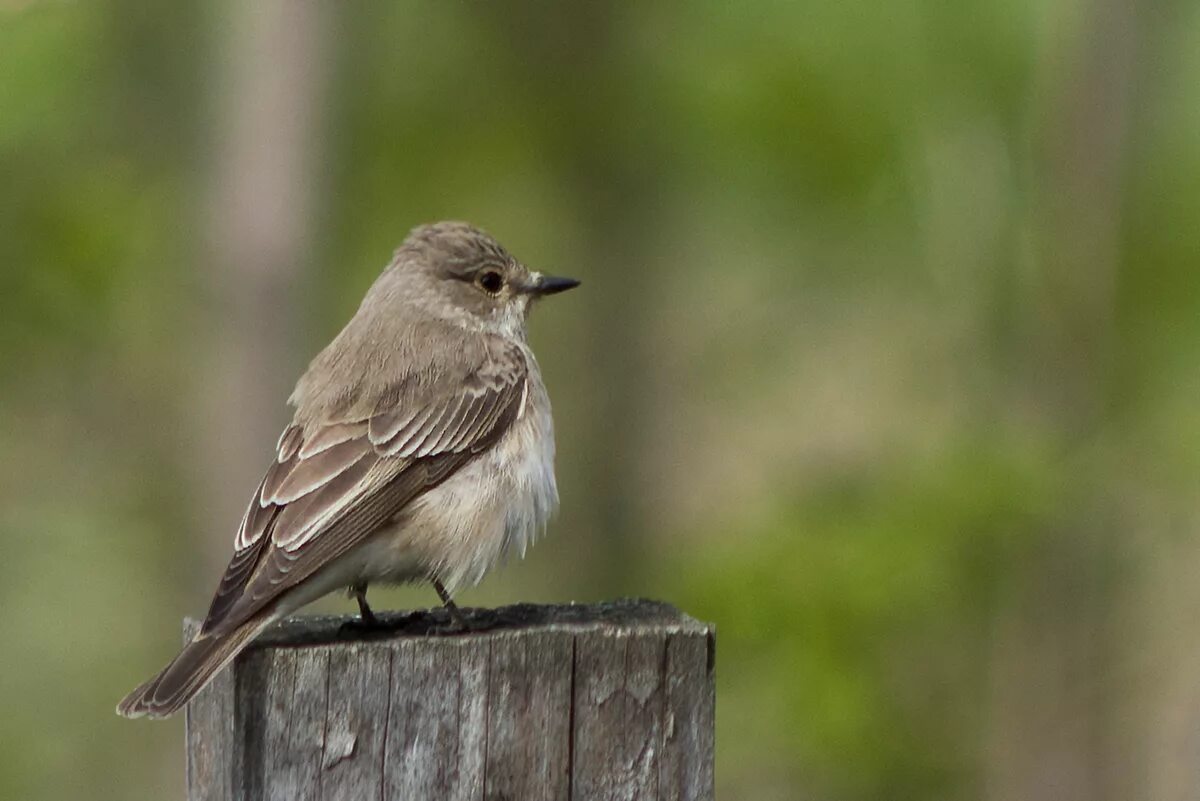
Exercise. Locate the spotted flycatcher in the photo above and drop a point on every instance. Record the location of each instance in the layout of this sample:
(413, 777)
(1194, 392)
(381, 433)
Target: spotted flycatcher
(422, 448)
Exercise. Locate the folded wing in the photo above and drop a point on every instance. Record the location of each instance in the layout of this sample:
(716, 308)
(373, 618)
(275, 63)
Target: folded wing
(335, 482)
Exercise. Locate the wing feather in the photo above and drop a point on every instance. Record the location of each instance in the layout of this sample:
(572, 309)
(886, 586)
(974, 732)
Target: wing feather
(289, 440)
(298, 520)
(471, 422)
(404, 434)
(387, 425)
(314, 473)
(277, 473)
(330, 435)
(450, 430)
(236, 575)
(416, 445)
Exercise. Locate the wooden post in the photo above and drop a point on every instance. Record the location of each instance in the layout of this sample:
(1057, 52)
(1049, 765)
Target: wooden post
(607, 701)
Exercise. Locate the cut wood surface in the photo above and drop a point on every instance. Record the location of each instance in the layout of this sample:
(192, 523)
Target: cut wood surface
(601, 701)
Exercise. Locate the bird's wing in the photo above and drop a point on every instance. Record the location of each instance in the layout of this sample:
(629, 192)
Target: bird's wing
(334, 483)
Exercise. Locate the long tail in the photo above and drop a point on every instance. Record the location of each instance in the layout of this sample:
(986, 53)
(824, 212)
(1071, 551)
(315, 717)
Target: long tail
(189, 673)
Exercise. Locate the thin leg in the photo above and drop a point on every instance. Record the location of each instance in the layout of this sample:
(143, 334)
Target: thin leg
(456, 618)
(359, 591)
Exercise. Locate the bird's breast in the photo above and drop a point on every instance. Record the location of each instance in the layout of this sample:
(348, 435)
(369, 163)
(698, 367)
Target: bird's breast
(498, 502)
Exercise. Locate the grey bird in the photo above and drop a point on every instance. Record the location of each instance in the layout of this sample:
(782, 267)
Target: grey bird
(422, 448)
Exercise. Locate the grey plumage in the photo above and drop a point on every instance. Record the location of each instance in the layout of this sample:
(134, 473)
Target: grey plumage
(421, 448)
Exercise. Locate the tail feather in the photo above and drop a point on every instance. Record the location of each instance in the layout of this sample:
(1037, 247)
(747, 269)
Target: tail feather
(188, 673)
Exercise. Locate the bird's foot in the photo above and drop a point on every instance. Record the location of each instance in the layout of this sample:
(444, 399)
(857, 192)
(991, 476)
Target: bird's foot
(458, 623)
(367, 621)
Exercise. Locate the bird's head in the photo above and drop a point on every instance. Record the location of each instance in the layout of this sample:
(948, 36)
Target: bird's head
(458, 272)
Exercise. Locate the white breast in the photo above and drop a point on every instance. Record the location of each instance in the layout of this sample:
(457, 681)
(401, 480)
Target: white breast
(527, 458)
(500, 500)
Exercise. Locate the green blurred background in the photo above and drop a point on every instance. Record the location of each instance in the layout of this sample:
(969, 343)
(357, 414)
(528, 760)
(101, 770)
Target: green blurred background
(886, 359)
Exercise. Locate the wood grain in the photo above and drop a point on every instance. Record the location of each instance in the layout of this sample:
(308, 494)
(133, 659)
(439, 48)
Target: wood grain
(607, 701)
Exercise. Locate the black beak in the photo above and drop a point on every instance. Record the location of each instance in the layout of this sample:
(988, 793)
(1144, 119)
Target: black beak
(549, 285)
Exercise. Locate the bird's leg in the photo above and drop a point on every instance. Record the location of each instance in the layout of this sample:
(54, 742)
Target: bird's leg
(457, 621)
(365, 615)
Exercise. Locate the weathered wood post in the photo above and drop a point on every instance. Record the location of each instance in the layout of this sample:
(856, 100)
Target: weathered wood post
(608, 701)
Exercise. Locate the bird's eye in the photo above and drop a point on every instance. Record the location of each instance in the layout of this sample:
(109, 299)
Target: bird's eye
(490, 281)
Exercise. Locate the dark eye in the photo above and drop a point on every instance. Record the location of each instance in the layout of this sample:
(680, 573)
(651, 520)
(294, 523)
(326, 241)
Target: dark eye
(490, 281)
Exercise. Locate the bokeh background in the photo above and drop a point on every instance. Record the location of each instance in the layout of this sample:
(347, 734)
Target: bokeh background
(887, 359)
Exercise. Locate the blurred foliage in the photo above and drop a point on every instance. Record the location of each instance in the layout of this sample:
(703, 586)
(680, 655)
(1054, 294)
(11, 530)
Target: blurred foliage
(886, 360)
(858, 627)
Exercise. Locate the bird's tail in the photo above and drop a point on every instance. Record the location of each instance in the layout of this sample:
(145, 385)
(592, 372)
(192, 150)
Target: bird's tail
(189, 673)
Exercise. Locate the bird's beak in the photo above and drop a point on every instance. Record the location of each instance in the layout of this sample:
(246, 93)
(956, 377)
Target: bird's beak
(549, 285)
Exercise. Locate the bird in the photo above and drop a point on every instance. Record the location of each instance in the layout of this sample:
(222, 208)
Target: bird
(421, 449)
